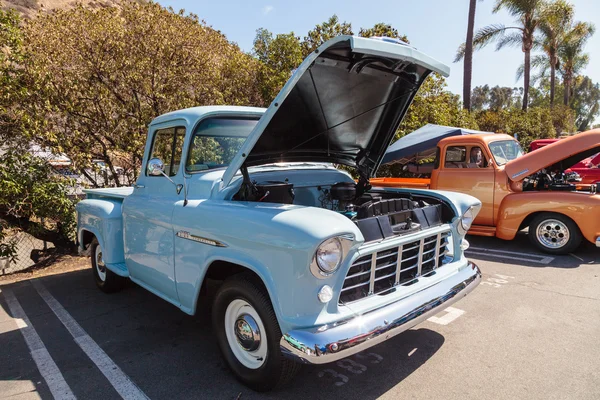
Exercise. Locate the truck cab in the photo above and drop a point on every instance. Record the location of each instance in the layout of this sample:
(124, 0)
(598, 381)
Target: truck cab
(474, 164)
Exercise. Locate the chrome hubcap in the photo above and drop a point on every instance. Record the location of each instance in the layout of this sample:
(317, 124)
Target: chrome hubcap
(247, 332)
(100, 267)
(553, 234)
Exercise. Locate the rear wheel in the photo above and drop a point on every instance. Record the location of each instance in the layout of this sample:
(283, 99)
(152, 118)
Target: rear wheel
(105, 279)
(248, 334)
(554, 233)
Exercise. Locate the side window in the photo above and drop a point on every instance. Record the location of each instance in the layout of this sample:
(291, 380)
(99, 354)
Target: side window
(477, 158)
(167, 145)
(456, 157)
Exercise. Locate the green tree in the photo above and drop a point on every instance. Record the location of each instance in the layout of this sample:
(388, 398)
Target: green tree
(279, 56)
(96, 78)
(434, 104)
(572, 57)
(383, 30)
(529, 14)
(585, 102)
(553, 28)
(35, 199)
(323, 32)
(11, 57)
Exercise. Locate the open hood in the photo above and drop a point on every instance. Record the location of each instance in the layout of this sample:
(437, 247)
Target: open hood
(561, 155)
(342, 105)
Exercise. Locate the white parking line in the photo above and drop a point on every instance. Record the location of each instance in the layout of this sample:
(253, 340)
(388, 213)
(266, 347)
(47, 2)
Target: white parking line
(535, 258)
(117, 378)
(44, 362)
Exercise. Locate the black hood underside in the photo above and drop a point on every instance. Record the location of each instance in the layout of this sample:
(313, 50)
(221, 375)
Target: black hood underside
(344, 109)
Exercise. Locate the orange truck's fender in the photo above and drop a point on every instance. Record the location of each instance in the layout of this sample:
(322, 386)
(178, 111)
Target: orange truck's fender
(517, 209)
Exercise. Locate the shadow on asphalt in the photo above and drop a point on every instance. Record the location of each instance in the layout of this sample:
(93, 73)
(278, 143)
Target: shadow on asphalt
(520, 251)
(171, 355)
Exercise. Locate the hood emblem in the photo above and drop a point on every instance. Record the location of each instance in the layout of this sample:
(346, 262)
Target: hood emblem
(526, 170)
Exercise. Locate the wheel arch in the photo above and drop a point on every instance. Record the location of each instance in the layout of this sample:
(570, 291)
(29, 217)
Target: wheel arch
(86, 237)
(220, 269)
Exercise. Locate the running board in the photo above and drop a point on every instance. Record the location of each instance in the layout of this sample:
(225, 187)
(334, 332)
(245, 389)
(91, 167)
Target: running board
(119, 269)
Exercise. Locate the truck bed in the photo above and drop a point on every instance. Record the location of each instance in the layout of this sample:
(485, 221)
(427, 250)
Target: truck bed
(113, 193)
(414, 183)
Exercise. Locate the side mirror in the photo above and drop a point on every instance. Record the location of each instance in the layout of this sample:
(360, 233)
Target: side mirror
(156, 167)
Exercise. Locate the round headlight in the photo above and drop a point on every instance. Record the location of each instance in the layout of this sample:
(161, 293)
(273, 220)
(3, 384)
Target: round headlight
(467, 219)
(329, 255)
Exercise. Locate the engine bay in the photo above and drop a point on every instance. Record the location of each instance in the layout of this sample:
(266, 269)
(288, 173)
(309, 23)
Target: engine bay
(556, 180)
(378, 214)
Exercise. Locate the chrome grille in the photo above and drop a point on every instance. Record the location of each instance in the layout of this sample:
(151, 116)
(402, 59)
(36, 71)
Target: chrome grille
(381, 272)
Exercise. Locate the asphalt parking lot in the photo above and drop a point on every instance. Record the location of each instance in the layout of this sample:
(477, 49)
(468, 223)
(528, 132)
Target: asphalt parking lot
(530, 330)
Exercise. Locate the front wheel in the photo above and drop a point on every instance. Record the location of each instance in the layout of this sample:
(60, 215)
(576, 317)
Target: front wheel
(248, 335)
(554, 233)
(105, 279)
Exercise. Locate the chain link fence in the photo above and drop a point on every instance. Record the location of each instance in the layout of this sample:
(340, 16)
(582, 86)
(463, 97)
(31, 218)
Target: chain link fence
(28, 252)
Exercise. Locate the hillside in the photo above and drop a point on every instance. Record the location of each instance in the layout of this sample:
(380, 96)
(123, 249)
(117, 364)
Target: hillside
(29, 8)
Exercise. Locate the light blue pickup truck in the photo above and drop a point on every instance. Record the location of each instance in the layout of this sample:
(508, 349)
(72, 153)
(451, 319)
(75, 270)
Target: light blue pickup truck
(313, 265)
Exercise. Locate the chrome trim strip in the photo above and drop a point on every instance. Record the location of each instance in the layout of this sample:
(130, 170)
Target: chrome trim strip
(372, 278)
(437, 250)
(355, 286)
(200, 239)
(420, 262)
(329, 343)
(358, 274)
(398, 265)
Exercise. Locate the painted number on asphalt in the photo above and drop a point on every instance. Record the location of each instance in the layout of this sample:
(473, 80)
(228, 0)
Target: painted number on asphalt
(351, 366)
(497, 281)
(451, 314)
(343, 379)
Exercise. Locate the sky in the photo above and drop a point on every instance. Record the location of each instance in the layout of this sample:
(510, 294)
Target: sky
(435, 27)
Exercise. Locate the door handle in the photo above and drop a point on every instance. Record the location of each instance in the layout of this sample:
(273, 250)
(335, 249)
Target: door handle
(138, 186)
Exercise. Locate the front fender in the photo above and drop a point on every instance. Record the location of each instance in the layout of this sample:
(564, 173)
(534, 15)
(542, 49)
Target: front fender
(582, 208)
(275, 241)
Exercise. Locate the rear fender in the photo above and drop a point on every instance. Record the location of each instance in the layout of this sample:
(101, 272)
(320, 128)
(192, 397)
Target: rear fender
(104, 220)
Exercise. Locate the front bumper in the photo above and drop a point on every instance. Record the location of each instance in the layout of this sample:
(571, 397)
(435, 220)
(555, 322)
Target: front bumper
(330, 343)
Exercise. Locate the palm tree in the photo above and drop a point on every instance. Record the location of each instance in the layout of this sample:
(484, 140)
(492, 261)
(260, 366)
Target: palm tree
(554, 25)
(572, 58)
(468, 65)
(528, 14)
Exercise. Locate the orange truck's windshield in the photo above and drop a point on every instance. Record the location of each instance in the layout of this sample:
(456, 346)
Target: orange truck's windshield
(505, 151)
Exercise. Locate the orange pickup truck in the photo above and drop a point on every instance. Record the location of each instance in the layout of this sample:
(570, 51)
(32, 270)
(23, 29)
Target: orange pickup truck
(518, 190)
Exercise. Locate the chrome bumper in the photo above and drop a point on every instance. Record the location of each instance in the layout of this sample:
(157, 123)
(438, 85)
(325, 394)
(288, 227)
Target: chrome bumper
(322, 345)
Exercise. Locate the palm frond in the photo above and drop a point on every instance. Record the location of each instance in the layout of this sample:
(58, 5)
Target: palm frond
(460, 53)
(514, 39)
(486, 35)
(520, 72)
(540, 61)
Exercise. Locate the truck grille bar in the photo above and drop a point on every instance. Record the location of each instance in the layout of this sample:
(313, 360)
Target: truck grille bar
(381, 272)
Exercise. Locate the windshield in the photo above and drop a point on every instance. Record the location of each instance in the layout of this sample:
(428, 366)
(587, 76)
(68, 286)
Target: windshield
(216, 141)
(505, 151)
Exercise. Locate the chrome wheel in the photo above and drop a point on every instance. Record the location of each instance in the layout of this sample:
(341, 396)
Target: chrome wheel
(553, 234)
(245, 334)
(100, 266)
